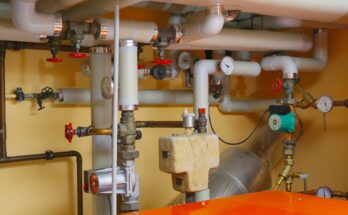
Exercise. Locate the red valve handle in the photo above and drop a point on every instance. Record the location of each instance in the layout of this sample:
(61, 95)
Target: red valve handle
(201, 110)
(69, 132)
(54, 60)
(162, 62)
(78, 55)
(141, 66)
(277, 85)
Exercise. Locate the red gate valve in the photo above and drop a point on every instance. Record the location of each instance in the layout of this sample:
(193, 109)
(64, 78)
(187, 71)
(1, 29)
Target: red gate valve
(162, 62)
(54, 60)
(78, 55)
(141, 66)
(69, 132)
(277, 85)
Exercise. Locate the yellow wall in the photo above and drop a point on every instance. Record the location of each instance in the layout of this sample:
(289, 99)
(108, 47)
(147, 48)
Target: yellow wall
(49, 188)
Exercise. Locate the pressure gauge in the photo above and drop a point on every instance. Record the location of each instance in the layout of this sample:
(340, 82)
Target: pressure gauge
(324, 192)
(107, 85)
(226, 65)
(324, 104)
(185, 60)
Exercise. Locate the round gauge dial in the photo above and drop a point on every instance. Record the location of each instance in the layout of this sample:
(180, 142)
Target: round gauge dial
(324, 192)
(185, 60)
(324, 104)
(226, 65)
(107, 87)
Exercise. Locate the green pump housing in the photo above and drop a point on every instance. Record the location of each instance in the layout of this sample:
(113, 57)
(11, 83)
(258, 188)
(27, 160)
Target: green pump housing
(283, 123)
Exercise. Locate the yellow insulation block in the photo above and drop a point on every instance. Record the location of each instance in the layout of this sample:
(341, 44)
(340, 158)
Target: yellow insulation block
(189, 159)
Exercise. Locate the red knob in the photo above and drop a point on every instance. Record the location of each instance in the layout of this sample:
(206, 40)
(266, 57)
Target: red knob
(201, 110)
(69, 132)
(277, 85)
(162, 62)
(141, 66)
(54, 60)
(77, 55)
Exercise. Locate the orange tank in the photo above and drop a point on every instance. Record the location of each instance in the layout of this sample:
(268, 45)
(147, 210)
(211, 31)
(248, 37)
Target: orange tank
(261, 203)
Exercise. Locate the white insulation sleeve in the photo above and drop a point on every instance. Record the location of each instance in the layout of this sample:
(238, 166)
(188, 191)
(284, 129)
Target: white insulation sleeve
(74, 96)
(128, 97)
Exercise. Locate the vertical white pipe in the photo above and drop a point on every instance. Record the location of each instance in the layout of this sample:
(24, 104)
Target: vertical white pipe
(115, 110)
(128, 99)
(100, 61)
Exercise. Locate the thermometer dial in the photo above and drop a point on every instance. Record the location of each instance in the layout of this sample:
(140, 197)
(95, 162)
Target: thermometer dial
(107, 87)
(324, 192)
(226, 65)
(324, 104)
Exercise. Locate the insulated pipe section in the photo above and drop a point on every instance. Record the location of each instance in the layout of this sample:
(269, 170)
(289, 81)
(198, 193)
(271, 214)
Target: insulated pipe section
(101, 109)
(211, 25)
(143, 32)
(250, 40)
(239, 106)
(11, 33)
(128, 98)
(53, 6)
(70, 96)
(228, 66)
(27, 19)
(291, 65)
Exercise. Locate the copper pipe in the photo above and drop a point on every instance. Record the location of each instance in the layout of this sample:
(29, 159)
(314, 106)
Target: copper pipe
(99, 131)
(50, 156)
(159, 124)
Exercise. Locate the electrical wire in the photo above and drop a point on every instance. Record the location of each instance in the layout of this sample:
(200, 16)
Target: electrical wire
(245, 139)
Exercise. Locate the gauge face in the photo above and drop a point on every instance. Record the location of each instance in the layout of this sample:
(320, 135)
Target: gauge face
(324, 192)
(226, 65)
(185, 60)
(274, 122)
(324, 104)
(107, 87)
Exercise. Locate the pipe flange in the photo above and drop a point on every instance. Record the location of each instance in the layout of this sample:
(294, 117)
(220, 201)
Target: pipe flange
(101, 29)
(58, 25)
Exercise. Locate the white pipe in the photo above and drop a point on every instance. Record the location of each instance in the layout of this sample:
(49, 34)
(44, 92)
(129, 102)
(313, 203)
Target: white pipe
(291, 65)
(101, 111)
(10, 33)
(128, 99)
(115, 107)
(53, 6)
(204, 68)
(242, 106)
(94, 8)
(250, 40)
(211, 25)
(27, 19)
(75, 96)
(138, 31)
(274, 22)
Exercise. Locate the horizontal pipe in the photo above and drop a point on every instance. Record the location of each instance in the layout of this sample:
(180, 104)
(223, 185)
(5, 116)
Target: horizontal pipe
(291, 65)
(138, 31)
(94, 8)
(159, 124)
(250, 40)
(50, 156)
(53, 6)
